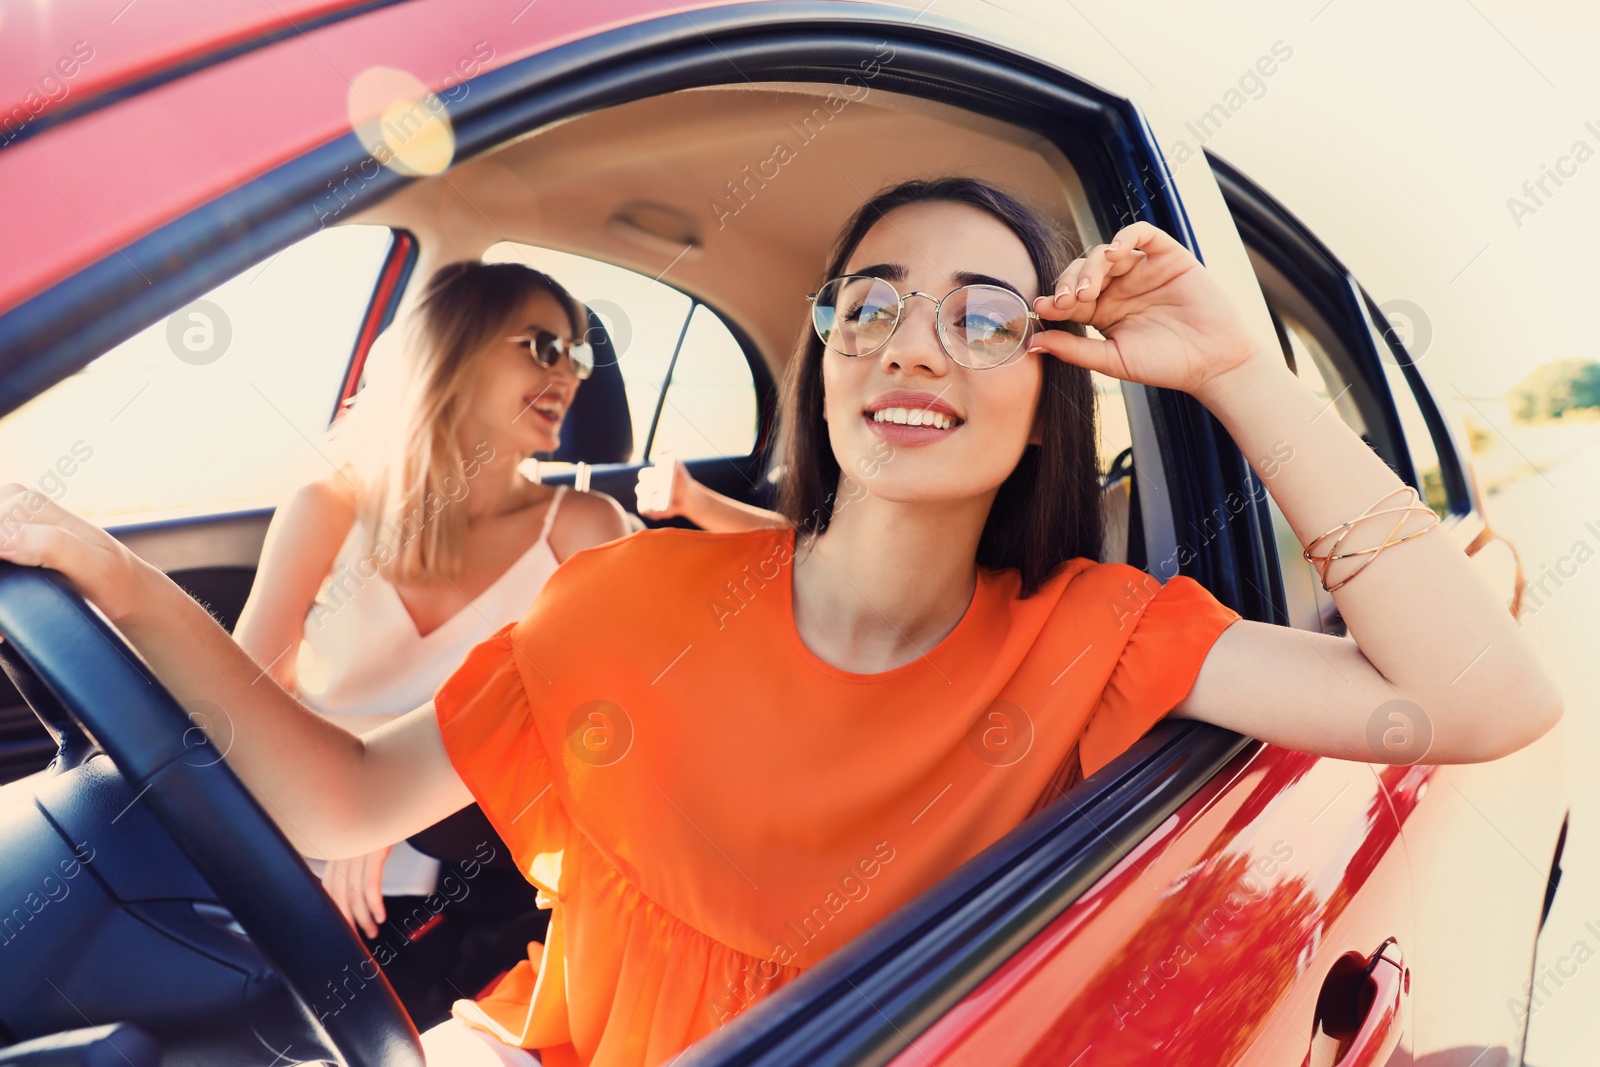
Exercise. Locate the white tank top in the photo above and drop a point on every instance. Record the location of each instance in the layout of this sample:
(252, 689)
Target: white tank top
(362, 655)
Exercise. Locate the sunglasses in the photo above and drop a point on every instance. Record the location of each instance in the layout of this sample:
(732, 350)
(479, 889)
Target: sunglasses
(547, 348)
(979, 326)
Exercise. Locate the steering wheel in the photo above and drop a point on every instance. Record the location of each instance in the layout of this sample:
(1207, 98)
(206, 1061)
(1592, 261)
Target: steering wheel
(85, 666)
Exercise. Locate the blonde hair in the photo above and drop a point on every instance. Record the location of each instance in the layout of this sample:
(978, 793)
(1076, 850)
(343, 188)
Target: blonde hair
(398, 442)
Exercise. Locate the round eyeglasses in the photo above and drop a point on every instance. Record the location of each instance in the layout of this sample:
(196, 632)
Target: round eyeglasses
(546, 348)
(979, 326)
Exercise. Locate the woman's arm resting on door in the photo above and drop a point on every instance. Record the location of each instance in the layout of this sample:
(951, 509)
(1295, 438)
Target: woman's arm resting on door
(1424, 628)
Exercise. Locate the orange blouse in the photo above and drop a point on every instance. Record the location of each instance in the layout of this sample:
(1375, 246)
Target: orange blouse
(710, 809)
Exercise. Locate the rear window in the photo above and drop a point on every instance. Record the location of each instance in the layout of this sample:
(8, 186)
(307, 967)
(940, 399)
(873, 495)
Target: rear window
(688, 381)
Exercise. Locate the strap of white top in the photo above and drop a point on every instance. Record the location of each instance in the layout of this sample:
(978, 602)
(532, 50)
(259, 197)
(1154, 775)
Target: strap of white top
(550, 516)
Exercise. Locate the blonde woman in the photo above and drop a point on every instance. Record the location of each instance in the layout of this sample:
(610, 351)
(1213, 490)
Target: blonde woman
(376, 581)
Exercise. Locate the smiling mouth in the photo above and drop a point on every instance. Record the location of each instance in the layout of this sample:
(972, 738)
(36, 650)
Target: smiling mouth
(914, 417)
(550, 411)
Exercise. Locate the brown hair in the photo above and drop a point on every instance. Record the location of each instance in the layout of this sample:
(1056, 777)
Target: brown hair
(414, 461)
(1047, 511)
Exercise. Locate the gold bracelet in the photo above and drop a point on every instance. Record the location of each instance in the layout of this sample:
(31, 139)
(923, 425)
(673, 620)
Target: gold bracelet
(1323, 562)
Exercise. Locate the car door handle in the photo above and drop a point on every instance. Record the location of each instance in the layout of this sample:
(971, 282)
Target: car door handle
(1359, 1018)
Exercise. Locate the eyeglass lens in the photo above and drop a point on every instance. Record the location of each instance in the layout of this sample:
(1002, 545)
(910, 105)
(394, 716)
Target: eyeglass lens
(979, 325)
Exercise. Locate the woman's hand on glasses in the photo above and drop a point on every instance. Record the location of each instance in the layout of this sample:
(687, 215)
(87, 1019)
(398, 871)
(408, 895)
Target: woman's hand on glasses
(1165, 320)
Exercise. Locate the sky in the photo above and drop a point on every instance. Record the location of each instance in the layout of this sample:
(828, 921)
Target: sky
(1398, 132)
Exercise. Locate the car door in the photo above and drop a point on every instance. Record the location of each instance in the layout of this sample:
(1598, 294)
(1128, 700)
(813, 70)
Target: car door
(1456, 821)
(1263, 922)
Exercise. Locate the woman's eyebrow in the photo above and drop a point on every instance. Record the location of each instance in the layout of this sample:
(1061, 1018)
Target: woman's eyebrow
(889, 272)
(967, 277)
(894, 272)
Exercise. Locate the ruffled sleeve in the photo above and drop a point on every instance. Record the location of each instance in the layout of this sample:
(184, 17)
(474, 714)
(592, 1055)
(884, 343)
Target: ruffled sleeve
(493, 744)
(1170, 640)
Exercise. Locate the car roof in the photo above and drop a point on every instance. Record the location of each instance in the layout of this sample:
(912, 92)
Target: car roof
(134, 49)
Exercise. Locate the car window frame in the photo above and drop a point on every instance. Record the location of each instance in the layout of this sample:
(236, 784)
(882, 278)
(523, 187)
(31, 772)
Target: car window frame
(1268, 228)
(388, 291)
(762, 384)
(1458, 486)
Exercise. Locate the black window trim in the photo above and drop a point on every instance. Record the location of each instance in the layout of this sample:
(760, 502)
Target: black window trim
(1458, 487)
(1268, 227)
(761, 384)
(666, 380)
(911, 967)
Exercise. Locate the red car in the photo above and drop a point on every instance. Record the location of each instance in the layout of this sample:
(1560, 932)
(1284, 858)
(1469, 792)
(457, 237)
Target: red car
(213, 209)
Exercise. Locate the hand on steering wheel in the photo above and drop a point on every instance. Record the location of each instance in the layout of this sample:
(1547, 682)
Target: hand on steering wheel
(35, 531)
(97, 678)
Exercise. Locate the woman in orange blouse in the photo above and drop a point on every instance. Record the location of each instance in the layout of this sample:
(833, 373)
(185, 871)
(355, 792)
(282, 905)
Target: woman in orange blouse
(722, 755)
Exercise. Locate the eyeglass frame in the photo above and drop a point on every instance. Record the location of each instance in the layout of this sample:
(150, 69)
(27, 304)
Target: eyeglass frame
(938, 326)
(563, 348)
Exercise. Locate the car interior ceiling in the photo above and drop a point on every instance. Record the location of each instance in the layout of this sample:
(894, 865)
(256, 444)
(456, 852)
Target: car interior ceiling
(708, 157)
